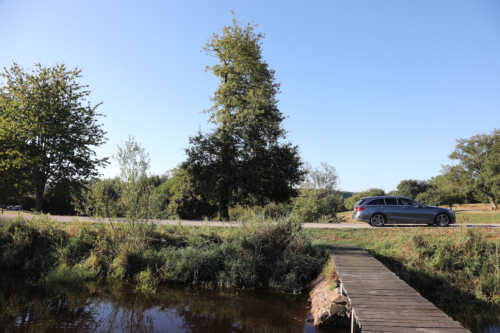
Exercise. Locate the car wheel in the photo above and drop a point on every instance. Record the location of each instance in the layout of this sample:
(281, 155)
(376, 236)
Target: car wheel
(442, 220)
(377, 220)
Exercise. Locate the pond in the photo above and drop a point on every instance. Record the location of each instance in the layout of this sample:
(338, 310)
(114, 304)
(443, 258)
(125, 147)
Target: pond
(118, 307)
(115, 307)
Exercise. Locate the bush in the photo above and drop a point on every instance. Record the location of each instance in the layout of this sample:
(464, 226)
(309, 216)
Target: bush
(275, 254)
(317, 206)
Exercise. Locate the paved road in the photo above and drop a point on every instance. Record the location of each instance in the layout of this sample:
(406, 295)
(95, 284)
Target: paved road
(235, 224)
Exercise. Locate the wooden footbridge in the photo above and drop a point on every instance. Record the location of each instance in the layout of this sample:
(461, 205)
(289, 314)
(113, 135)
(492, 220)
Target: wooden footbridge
(381, 301)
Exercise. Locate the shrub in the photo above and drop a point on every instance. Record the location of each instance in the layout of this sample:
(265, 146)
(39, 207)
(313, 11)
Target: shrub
(275, 254)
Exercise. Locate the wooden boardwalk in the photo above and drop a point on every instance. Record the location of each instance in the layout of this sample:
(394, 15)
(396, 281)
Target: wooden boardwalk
(381, 301)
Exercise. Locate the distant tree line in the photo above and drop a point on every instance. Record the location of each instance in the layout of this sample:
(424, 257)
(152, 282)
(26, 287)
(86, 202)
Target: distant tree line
(474, 178)
(173, 196)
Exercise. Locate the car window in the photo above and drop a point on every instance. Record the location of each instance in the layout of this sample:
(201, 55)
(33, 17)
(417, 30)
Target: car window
(360, 202)
(373, 202)
(407, 202)
(391, 201)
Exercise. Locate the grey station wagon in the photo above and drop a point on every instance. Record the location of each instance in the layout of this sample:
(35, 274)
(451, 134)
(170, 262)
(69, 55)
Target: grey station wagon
(400, 210)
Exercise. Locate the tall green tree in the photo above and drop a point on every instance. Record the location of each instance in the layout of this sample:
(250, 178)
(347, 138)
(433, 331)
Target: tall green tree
(47, 128)
(444, 189)
(479, 156)
(244, 159)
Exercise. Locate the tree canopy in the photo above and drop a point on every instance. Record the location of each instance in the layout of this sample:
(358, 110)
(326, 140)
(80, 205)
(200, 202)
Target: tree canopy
(244, 159)
(479, 159)
(444, 189)
(411, 188)
(47, 128)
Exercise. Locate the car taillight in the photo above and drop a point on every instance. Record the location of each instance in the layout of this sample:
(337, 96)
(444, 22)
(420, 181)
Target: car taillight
(358, 209)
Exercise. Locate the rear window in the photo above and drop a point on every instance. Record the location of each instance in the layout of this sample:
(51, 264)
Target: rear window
(391, 201)
(373, 202)
(360, 202)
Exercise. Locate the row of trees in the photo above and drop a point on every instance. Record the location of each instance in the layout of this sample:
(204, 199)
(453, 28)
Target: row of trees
(474, 178)
(48, 131)
(138, 195)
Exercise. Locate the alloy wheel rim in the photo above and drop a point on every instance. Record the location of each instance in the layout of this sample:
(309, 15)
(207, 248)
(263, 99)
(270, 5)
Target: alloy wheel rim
(442, 220)
(378, 220)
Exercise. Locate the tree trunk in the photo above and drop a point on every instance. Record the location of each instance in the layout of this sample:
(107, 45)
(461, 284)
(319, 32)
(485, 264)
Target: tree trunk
(223, 210)
(492, 202)
(39, 188)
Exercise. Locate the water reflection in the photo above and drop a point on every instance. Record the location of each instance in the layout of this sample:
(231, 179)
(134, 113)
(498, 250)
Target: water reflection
(117, 307)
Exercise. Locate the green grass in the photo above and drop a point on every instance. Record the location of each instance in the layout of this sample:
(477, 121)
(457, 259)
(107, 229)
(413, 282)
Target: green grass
(477, 217)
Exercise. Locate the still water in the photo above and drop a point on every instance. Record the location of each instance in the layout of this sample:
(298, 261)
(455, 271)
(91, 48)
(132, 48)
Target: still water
(117, 307)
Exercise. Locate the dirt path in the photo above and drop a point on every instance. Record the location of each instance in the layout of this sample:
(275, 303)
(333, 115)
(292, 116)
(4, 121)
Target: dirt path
(346, 225)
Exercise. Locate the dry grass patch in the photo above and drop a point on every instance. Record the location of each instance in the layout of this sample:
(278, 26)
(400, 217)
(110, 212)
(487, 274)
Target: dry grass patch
(348, 216)
(480, 216)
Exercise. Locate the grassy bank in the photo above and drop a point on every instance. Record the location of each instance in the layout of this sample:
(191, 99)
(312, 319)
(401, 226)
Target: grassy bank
(446, 264)
(277, 255)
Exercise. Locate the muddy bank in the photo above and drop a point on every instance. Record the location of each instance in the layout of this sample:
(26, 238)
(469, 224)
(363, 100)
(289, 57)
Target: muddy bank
(328, 306)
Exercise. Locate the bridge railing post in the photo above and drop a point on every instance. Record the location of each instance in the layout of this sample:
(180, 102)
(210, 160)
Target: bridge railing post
(353, 322)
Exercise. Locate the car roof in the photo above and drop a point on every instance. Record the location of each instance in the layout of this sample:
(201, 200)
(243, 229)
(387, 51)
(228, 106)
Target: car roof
(386, 196)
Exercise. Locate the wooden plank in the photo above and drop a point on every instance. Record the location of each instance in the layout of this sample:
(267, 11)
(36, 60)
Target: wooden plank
(408, 317)
(389, 298)
(403, 312)
(381, 292)
(411, 323)
(414, 329)
(387, 306)
(381, 301)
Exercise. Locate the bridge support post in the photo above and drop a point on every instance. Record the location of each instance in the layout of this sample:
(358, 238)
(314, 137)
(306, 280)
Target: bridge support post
(353, 322)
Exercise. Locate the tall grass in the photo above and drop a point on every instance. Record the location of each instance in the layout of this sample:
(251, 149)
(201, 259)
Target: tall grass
(463, 262)
(273, 254)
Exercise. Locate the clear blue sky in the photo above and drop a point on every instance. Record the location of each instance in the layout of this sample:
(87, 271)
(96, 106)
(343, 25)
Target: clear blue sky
(379, 89)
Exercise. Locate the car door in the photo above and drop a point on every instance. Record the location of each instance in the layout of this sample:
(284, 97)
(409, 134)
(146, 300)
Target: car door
(392, 210)
(412, 212)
